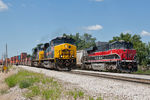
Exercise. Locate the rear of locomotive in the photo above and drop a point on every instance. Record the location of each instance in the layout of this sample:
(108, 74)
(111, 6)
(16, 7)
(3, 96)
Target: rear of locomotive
(64, 53)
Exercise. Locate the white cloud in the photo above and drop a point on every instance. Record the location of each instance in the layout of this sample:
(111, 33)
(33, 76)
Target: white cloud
(3, 6)
(145, 33)
(93, 28)
(98, 0)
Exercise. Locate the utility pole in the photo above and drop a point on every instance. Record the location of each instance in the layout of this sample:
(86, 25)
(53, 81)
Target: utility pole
(2, 59)
(5, 67)
(6, 55)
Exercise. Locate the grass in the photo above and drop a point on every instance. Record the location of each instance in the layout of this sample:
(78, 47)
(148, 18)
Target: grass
(142, 72)
(76, 94)
(37, 84)
(98, 98)
(91, 98)
(3, 91)
(23, 78)
(25, 84)
(40, 85)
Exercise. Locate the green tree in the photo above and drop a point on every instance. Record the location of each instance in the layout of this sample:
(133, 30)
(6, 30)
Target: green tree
(82, 41)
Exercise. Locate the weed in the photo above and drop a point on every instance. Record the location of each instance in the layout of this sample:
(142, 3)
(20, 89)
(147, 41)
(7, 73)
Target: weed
(23, 78)
(3, 91)
(81, 94)
(51, 93)
(142, 72)
(99, 98)
(25, 84)
(75, 94)
(11, 81)
(34, 91)
(71, 93)
(91, 98)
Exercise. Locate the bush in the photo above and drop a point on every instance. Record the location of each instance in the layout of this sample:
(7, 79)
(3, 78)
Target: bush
(25, 84)
(23, 78)
(11, 81)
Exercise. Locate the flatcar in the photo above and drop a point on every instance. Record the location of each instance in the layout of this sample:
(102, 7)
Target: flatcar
(59, 53)
(118, 56)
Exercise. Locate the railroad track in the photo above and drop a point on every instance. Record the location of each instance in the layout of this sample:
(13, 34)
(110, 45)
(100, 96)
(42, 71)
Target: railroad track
(110, 76)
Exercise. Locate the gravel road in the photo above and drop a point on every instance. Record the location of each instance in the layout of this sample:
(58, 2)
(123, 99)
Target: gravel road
(108, 89)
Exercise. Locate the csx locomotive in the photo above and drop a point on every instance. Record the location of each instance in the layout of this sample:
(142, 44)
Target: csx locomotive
(117, 56)
(59, 53)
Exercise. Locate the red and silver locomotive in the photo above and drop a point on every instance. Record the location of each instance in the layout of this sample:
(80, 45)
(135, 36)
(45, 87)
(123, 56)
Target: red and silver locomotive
(117, 56)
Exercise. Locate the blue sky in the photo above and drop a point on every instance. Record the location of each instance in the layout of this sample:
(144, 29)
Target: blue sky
(25, 23)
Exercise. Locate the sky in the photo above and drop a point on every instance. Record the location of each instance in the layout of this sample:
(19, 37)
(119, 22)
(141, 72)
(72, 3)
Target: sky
(25, 23)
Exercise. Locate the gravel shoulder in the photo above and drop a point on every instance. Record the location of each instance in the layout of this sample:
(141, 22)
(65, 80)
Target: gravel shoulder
(108, 89)
(68, 91)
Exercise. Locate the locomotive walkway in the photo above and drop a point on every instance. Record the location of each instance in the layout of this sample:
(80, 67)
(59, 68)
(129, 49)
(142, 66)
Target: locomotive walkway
(144, 79)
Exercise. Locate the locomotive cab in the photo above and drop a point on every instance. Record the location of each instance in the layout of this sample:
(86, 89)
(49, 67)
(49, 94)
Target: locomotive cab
(125, 49)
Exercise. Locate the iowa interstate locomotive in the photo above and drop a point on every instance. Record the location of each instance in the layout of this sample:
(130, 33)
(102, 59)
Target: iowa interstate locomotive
(118, 56)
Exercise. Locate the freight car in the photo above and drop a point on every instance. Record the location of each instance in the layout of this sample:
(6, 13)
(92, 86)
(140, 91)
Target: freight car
(59, 53)
(118, 56)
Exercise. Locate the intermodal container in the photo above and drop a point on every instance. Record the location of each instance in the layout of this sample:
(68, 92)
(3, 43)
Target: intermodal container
(23, 55)
(19, 57)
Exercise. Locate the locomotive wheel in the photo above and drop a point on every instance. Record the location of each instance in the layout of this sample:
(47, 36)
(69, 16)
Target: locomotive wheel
(82, 66)
(69, 69)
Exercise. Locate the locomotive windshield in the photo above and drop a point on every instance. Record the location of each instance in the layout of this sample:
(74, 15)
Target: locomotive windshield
(59, 41)
(121, 45)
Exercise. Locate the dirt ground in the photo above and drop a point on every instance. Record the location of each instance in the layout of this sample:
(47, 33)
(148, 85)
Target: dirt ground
(6, 93)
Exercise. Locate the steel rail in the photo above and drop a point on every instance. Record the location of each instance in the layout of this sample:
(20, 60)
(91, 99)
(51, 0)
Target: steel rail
(123, 78)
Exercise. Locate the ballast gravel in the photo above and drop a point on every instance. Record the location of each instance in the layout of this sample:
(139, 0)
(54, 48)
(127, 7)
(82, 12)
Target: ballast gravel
(108, 89)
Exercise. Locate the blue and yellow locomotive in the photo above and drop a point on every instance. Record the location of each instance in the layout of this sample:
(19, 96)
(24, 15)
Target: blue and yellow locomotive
(59, 54)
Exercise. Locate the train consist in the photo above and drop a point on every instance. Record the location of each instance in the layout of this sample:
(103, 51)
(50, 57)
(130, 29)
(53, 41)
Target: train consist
(118, 56)
(60, 53)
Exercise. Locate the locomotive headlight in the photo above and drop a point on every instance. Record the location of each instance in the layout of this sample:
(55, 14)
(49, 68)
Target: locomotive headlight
(61, 56)
(66, 46)
(72, 56)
